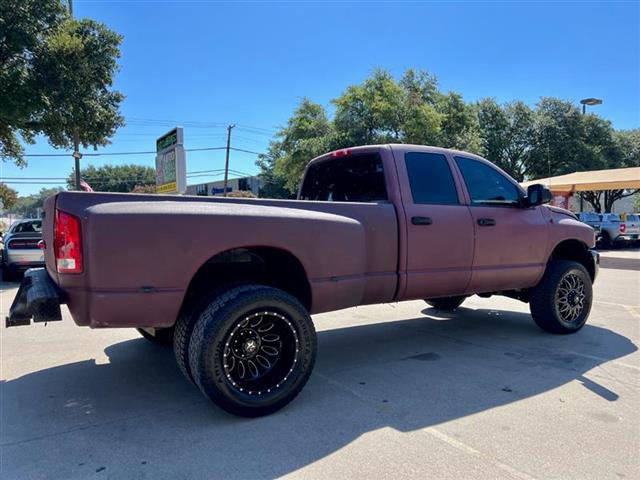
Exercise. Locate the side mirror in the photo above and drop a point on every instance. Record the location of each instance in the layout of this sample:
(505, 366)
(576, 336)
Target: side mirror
(537, 195)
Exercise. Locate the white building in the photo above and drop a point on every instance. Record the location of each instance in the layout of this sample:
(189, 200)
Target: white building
(210, 189)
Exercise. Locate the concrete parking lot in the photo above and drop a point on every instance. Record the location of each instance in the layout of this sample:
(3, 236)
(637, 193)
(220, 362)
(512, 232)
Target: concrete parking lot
(399, 391)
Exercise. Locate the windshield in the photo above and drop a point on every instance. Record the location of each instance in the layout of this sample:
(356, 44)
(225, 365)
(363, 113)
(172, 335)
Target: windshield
(34, 226)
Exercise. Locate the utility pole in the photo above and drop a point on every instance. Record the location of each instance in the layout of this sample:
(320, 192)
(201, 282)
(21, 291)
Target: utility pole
(226, 163)
(76, 134)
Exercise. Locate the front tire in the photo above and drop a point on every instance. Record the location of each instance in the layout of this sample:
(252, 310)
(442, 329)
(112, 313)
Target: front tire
(252, 350)
(561, 302)
(448, 304)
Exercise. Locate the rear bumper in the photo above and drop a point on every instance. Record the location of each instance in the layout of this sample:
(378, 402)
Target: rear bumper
(17, 260)
(38, 298)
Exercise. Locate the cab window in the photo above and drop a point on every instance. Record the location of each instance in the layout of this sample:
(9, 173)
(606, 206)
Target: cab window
(430, 179)
(354, 178)
(486, 185)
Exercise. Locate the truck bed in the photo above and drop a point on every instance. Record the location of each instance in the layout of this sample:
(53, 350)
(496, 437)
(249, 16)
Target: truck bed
(142, 251)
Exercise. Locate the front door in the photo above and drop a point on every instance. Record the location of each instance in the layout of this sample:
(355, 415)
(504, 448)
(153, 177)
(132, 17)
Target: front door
(511, 241)
(439, 226)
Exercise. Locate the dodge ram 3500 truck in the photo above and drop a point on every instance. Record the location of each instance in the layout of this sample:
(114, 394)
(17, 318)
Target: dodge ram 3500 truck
(231, 282)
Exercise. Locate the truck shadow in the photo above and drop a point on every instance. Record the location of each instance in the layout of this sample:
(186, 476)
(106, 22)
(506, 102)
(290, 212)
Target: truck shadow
(138, 412)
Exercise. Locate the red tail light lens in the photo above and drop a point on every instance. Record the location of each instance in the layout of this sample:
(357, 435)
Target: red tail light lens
(341, 153)
(67, 243)
(623, 227)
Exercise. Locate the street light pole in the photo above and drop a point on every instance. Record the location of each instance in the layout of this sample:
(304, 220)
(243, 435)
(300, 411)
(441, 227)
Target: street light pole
(226, 163)
(589, 101)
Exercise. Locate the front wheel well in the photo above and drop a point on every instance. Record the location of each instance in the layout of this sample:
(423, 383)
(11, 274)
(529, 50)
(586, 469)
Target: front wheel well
(262, 265)
(576, 251)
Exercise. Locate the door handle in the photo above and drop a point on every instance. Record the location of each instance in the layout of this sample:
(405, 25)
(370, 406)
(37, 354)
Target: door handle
(486, 222)
(421, 220)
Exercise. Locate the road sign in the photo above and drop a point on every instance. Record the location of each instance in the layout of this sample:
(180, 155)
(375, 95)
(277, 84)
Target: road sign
(171, 174)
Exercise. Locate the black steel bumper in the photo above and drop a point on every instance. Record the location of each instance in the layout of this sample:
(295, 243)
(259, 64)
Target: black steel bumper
(38, 297)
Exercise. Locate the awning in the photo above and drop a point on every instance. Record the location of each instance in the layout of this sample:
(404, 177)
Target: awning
(616, 178)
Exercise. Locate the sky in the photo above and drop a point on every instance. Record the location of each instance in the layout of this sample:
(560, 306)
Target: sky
(207, 64)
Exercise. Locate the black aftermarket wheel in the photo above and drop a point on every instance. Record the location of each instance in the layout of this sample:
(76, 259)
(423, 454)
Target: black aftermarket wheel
(252, 350)
(561, 302)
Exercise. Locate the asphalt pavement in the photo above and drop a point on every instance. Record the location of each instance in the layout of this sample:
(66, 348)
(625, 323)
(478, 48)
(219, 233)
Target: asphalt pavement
(399, 391)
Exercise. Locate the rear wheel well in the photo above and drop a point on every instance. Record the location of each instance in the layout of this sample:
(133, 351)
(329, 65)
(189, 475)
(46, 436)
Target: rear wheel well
(576, 251)
(262, 265)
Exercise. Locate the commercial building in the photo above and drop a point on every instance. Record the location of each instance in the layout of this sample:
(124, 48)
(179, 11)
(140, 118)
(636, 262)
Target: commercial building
(209, 189)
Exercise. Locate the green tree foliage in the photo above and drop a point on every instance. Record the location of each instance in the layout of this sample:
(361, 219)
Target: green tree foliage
(28, 206)
(116, 178)
(380, 110)
(551, 139)
(625, 152)
(55, 77)
(506, 135)
(308, 134)
(8, 196)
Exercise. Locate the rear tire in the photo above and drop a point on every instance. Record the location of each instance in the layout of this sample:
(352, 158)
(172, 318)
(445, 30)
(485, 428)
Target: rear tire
(561, 302)
(606, 241)
(252, 350)
(162, 336)
(447, 304)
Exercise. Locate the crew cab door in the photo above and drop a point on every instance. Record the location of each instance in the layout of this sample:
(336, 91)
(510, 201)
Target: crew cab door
(439, 227)
(510, 240)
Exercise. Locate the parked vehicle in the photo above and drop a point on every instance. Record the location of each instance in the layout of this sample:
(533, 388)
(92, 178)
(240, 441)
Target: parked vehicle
(593, 219)
(232, 282)
(616, 232)
(20, 251)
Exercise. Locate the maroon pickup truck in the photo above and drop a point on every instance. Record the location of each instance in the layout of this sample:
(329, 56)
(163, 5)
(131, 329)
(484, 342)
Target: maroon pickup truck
(231, 282)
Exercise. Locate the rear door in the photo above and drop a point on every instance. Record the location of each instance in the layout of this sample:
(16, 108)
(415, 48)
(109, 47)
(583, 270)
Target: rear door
(439, 226)
(510, 241)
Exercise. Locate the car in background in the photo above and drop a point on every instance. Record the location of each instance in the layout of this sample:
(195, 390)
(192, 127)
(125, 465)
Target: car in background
(593, 220)
(21, 250)
(617, 232)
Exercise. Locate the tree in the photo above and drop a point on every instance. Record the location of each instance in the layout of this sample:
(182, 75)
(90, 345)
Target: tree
(459, 128)
(506, 135)
(28, 206)
(307, 135)
(56, 75)
(24, 27)
(8, 196)
(116, 178)
(623, 153)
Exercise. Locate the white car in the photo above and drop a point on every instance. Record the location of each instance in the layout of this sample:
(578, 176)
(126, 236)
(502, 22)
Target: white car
(21, 250)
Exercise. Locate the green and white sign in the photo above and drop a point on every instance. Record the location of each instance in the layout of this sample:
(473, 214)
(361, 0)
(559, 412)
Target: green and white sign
(171, 173)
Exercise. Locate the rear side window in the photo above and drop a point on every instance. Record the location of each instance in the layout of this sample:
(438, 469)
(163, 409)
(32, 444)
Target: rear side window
(430, 178)
(355, 178)
(486, 185)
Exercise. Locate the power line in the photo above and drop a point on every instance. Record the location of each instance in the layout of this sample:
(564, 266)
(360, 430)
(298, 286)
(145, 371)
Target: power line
(112, 154)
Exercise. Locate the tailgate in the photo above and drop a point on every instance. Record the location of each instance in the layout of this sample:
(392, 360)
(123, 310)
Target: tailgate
(49, 210)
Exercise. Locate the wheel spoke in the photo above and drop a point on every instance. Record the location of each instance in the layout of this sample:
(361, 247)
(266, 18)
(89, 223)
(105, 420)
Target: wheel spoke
(260, 353)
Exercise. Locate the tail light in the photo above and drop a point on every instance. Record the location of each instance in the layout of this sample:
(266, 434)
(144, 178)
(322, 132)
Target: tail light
(341, 153)
(67, 243)
(23, 244)
(623, 227)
